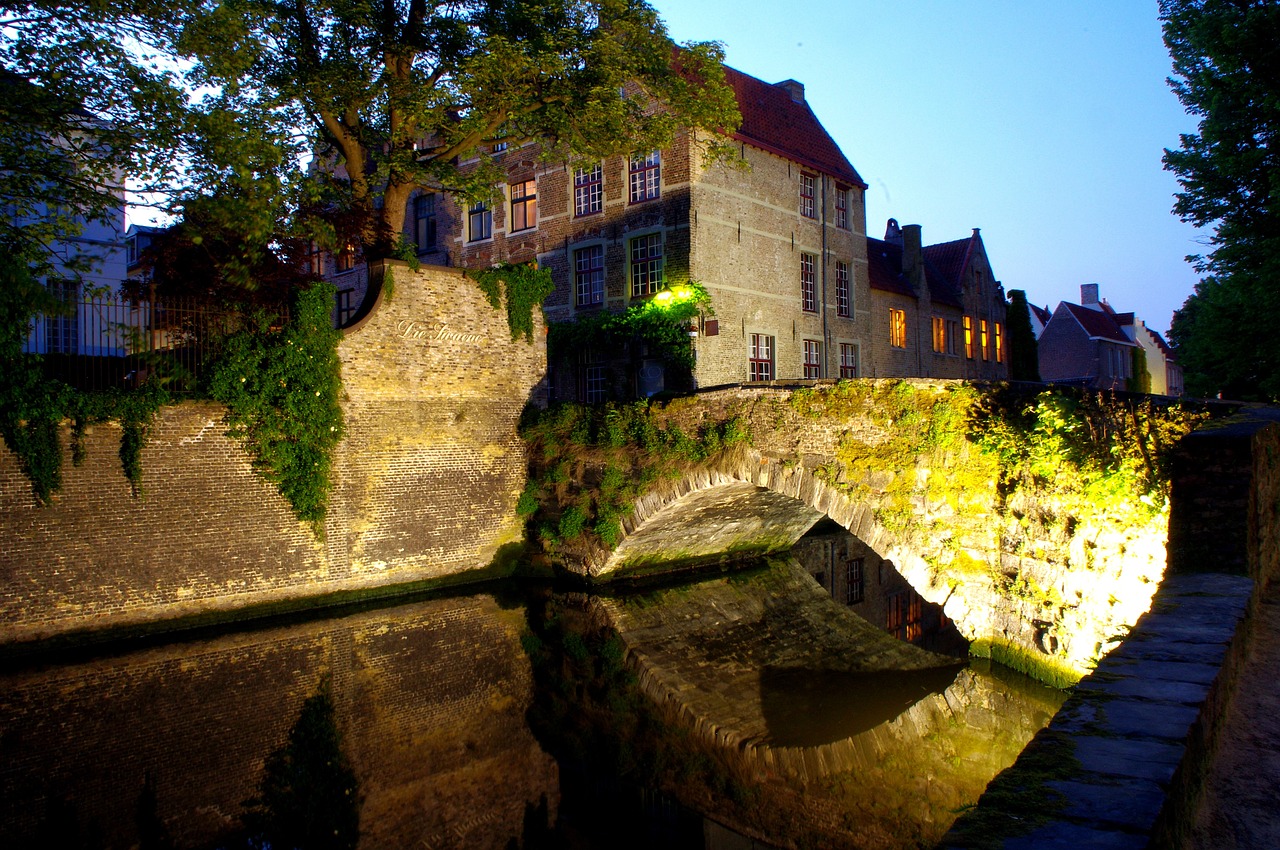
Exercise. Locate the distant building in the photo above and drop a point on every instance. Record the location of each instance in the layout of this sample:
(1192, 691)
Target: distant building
(938, 311)
(1090, 344)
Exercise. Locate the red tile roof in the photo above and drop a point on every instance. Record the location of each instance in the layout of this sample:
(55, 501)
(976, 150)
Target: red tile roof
(1097, 324)
(884, 263)
(944, 265)
(774, 122)
(1042, 313)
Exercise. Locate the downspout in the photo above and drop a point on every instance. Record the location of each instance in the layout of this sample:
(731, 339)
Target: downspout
(826, 343)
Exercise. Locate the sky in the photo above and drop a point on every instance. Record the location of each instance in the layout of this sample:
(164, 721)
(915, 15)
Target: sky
(1042, 123)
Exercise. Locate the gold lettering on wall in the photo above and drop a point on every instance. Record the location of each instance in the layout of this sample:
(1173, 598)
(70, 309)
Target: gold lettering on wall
(427, 331)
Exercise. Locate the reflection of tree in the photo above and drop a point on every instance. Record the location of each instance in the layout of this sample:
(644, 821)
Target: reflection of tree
(308, 799)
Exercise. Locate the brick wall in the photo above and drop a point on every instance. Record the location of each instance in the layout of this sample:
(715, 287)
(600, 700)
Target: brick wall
(426, 482)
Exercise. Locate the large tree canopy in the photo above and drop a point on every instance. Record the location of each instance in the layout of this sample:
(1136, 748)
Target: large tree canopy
(1226, 61)
(393, 94)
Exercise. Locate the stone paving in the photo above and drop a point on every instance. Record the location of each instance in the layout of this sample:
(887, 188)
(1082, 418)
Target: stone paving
(1133, 727)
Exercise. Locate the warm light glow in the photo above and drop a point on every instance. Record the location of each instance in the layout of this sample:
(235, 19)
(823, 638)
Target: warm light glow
(663, 297)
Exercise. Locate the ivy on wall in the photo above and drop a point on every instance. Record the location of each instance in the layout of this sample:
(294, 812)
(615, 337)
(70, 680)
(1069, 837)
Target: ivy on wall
(661, 323)
(524, 286)
(282, 385)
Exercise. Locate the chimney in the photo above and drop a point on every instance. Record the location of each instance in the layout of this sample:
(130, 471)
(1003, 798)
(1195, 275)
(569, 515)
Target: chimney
(893, 233)
(1089, 296)
(911, 241)
(795, 89)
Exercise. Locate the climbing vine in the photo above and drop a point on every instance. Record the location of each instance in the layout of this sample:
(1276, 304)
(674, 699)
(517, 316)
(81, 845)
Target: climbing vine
(660, 323)
(524, 286)
(281, 385)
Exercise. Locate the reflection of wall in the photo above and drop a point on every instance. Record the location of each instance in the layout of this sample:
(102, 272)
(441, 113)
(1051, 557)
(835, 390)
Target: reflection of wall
(426, 482)
(430, 698)
(871, 586)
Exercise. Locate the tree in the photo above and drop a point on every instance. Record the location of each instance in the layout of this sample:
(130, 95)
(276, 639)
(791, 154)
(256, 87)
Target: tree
(1024, 355)
(84, 102)
(1227, 73)
(390, 96)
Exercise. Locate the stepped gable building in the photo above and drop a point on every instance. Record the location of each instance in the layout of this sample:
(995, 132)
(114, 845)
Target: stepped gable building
(937, 310)
(1092, 345)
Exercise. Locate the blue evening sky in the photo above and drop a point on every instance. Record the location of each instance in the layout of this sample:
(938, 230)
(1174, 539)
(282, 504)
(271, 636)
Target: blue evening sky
(1042, 123)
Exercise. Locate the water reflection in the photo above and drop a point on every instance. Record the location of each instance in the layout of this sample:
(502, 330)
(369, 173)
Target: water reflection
(483, 722)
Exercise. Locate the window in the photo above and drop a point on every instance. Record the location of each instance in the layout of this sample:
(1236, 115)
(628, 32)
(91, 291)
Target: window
(524, 205)
(588, 190)
(915, 616)
(999, 344)
(842, 289)
(499, 147)
(842, 207)
(854, 585)
(588, 275)
(345, 306)
(848, 360)
(761, 361)
(968, 337)
(807, 207)
(986, 351)
(939, 335)
(812, 358)
(808, 297)
(346, 259)
(897, 328)
(480, 222)
(645, 174)
(894, 613)
(593, 383)
(646, 265)
(953, 337)
(62, 331)
(424, 223)
(315, 260)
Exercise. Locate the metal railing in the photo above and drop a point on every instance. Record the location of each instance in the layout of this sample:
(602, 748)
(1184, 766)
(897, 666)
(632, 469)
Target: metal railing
(113, 340)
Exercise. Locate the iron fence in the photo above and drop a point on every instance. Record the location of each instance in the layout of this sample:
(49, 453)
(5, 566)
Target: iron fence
(113, 340)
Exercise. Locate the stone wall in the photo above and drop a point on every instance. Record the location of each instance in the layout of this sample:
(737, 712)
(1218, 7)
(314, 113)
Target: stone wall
(429, 698)
(426, 481)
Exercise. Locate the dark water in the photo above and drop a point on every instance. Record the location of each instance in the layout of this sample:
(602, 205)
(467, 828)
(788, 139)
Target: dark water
(510, 718)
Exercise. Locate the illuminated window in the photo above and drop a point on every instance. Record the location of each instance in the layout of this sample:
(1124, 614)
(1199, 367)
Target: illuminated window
(999, 344)
(424, 223)
(986, 351)
(645, 177)
(855, 586)
(588, 190)
(968, 337)
(346, 259)
(588, 275)
(848, 360)
(480, 222)
(646, 265)
(842, 289)
(808, 296)
(842, 207)
(895, 613)
(812, 358)
(939, 335)
(915, 616)
(761, 360)
(897, 328)
(807, 206)
(524, 205)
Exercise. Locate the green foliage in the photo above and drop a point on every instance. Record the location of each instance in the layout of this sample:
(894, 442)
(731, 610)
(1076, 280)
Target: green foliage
(282, 388)
(524, 286)
(1141, 380)
(308, 798)
(1227, 74)
(661, 324)
(1024, 357)
(632, 449)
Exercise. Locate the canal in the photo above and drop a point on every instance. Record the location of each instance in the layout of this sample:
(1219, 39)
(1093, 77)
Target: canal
(749, 709)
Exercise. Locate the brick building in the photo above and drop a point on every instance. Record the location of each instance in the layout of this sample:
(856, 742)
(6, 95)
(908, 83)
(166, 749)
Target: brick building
(1093, 345)
(937, 310)
(778, 241)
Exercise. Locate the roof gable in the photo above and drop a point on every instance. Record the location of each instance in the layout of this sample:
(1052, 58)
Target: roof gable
(1096, 324)
(773, 121)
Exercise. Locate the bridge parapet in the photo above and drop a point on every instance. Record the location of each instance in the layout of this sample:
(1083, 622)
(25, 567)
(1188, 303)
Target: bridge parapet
(1043, 560)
